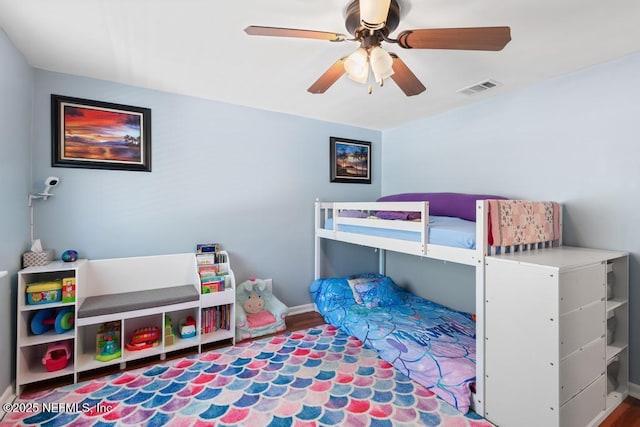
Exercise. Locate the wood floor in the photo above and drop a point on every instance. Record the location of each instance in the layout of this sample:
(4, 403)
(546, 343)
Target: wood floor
(304, 321)
(626, 415)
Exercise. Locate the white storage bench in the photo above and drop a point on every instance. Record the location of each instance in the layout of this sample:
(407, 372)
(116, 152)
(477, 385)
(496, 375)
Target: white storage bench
(133, 293)
(136, 292)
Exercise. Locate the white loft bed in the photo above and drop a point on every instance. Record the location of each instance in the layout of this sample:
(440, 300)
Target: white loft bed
(334, 221)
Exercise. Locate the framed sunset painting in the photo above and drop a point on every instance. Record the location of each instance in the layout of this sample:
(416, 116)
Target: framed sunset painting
(99, 135)
(350, 160)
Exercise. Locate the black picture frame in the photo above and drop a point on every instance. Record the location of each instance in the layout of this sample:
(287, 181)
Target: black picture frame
(350, 160)
(99, 135)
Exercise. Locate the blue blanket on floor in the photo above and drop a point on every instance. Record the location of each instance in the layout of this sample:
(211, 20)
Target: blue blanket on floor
(432, 344)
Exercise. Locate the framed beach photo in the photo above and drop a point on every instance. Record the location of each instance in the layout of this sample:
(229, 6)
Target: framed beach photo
(350, 160)
(99, 135)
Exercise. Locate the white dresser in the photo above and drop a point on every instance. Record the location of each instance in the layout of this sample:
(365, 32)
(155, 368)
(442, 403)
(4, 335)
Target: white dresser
(550, 359)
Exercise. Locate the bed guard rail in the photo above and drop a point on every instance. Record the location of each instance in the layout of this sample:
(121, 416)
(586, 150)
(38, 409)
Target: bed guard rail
(349, 221)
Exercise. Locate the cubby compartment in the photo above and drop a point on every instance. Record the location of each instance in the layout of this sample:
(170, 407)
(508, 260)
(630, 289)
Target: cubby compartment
(142, 336)
(184, 329)
(38, 326)
(33, 369)
(617, 282)
(89, 347)
(33, 276)
(617, 377)
(617, 330)
(217, 323)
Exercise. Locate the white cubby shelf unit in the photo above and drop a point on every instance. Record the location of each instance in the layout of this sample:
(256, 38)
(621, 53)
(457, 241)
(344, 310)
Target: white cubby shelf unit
(117, 276)
(30, 347)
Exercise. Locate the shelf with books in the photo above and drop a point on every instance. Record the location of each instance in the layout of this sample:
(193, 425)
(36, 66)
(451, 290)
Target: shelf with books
(217, 294)
(214, 271)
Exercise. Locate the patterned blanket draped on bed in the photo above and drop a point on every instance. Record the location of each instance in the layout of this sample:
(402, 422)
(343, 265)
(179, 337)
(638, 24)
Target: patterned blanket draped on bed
(519, 222)
(432, 344)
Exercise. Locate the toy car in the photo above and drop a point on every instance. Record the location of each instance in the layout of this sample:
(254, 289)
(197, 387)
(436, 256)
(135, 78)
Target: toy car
(143, 338)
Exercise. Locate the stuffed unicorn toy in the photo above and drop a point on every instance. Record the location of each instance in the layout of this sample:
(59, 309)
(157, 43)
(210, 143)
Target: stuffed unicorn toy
(258, 311)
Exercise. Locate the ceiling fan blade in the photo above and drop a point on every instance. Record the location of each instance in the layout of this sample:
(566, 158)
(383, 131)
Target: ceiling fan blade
(254, 30)
(404, 77)
(480, 38)
(329, 77)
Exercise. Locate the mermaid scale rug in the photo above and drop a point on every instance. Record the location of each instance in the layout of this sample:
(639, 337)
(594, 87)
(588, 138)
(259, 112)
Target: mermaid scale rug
(316, 377)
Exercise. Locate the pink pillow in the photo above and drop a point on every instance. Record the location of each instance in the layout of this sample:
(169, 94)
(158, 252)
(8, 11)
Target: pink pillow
(259, 319)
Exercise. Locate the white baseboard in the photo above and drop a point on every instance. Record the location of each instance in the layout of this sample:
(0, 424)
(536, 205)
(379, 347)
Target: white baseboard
(298, 309)
(634, 390)
(6, 397)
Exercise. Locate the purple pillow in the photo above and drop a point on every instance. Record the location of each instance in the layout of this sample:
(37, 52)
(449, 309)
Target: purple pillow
(353, 214)
(396, 215)
(443, 204)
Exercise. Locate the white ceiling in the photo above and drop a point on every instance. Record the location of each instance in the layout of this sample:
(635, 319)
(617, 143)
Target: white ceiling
(199, 48)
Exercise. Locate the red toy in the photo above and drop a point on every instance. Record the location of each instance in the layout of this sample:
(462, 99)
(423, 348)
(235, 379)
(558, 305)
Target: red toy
(143, 338)
(57, 356)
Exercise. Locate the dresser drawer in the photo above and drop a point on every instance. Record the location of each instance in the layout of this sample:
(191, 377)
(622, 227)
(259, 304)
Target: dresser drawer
(581, 326)
(582, 409)
(582, 287)
(580, 369)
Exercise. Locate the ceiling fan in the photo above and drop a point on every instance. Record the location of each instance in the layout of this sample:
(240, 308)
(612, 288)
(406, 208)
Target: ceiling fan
(370, 22)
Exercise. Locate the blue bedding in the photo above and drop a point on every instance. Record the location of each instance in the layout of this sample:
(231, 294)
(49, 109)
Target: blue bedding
(443, 230)
(432, 344)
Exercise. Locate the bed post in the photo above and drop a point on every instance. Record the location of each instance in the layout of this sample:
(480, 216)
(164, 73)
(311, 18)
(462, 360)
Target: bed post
(482, 218)
(382, 261)
(316, 266)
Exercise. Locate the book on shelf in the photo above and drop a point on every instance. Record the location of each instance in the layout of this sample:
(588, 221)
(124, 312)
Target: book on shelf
(207, 248)
(212, 268)
(211, 287)
(210, 253)
(216, 318)
(208, 270)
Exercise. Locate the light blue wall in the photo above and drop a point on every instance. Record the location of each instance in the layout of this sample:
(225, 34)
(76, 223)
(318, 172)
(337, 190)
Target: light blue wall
(243, 177)
(218, 167)
(16, 78)
(574, 139)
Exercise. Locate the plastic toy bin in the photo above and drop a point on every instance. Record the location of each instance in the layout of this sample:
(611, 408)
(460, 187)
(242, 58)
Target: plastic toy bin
(44, 293)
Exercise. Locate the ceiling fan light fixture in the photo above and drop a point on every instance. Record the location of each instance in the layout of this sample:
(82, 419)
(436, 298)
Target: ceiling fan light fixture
(373, 13)
(370, 22)
(357, 65)
(381, 64)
